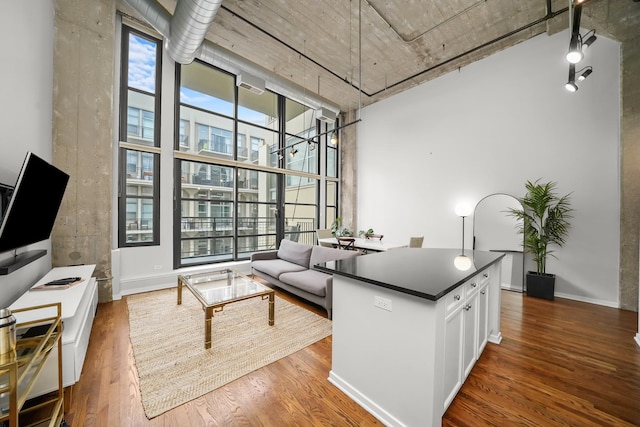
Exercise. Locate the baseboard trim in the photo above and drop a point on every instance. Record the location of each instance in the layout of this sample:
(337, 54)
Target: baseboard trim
(612, 304)
(383, 416)
(164, 280)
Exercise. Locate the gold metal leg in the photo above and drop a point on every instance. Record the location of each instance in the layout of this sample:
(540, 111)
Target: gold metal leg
(271, 308)
(208, 314)
(179, 291)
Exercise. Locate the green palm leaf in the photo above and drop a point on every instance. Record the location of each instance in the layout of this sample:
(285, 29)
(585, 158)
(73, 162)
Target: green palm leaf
(545, 220)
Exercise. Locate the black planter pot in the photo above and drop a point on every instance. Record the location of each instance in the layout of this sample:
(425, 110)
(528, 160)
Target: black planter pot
(541, 285)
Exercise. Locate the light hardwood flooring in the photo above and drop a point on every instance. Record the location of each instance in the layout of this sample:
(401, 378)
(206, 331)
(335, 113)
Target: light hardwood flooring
(561, 363)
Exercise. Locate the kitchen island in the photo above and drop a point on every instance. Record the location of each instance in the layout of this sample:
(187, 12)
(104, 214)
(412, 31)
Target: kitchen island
(408, 326)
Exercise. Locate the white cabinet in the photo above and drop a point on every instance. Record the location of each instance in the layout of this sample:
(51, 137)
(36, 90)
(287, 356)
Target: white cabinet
(453, 344)
(79, 305)
(483, 317)
(470, 339)
(466, 332)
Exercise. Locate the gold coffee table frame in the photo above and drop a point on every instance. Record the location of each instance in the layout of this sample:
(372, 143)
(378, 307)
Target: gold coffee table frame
(215, 289)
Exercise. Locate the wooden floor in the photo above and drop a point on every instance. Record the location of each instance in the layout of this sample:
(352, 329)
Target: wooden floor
(561, 363)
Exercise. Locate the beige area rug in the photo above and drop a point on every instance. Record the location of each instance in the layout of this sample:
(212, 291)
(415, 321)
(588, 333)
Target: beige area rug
(168, 343)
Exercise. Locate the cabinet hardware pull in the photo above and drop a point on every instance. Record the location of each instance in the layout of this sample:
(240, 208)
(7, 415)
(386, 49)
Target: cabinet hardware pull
(483, 292)
(485, 275)
(474, 284)
(467, 307)
(457, 297)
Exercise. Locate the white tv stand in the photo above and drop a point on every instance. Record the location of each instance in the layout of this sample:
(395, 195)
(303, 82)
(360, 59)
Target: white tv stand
(79, 305)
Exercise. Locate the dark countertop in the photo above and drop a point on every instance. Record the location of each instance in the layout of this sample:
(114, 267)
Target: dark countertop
(425, 273)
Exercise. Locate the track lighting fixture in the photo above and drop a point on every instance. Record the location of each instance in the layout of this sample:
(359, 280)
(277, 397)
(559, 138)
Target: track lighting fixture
(577, 46)
(334, 138)
(571, 85)
(584, 73)
(293, 152)
(575, 54)
(312, 145)
(589, 41)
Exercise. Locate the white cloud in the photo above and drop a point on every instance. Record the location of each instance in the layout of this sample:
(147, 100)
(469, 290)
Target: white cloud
(142, 64)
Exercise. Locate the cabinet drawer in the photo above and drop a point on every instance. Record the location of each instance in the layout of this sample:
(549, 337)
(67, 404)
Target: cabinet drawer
(483, 277)
(455, 298)
(473, 285)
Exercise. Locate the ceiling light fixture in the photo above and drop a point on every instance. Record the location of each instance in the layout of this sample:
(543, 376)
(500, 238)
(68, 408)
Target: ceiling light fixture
(589, 40)
(571, 85)
(584, 73)
(293, 152)
(575, 54)
(577, 46)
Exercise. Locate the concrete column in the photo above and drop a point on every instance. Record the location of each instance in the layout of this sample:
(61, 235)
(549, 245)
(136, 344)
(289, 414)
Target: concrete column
(630, 179)
(348, 175)
(82, 133)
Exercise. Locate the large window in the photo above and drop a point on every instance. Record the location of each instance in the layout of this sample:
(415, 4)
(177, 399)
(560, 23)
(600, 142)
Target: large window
(138, 201)
(249, 168)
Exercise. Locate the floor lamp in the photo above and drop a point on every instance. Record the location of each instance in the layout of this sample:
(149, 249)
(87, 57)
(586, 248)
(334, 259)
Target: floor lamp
(462, 262)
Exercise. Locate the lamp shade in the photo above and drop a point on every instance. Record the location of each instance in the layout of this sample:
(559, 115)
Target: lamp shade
(462, 262)
(463, 209)
(571, 86)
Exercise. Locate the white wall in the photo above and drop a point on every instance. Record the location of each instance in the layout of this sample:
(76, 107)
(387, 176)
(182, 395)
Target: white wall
(488, 128)
(26, 99)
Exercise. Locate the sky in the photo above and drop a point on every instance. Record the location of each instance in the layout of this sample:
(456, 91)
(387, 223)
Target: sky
(142, 64)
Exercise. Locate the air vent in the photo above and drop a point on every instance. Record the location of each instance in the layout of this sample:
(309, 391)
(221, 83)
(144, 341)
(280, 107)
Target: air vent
(251, 83)
(326, 115)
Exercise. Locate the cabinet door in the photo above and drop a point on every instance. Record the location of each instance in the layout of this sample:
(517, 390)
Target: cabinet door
(483, 318)
(470, 318)
(453, 336)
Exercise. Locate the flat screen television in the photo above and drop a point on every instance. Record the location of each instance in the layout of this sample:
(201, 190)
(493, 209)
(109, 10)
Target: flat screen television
(34, 204)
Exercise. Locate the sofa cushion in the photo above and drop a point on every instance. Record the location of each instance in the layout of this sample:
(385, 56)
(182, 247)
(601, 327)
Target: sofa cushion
(294, 252)
(275, 267)
(312, 281)
(320, 254)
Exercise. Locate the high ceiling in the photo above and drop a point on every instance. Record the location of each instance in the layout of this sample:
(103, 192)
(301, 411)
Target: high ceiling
(330, 46)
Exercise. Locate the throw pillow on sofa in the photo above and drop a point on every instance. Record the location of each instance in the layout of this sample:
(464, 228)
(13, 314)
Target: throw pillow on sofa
(297, 253)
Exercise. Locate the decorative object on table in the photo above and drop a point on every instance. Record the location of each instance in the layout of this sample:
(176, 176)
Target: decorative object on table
(176, 369)
(416, 242)
(462, 262)
(365, 233)
(545, 223)
(64, 283)
(339, 230)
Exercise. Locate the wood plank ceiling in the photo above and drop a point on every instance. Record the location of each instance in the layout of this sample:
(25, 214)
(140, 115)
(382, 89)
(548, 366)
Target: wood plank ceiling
(330, 46)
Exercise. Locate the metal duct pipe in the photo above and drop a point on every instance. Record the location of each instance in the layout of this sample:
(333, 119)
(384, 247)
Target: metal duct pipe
(160, 19)
(189, 26)
(156, 15)
(233, 63)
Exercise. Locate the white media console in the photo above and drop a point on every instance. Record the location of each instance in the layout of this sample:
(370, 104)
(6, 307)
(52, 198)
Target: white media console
(79, 304)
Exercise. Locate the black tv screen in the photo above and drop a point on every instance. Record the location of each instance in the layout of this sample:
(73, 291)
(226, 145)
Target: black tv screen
(34, 204)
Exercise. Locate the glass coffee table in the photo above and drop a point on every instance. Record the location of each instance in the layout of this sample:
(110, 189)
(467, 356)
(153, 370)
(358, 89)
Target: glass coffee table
(215, 289)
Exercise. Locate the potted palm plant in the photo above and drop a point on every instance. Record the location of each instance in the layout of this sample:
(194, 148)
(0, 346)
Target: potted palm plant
(545, 222)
